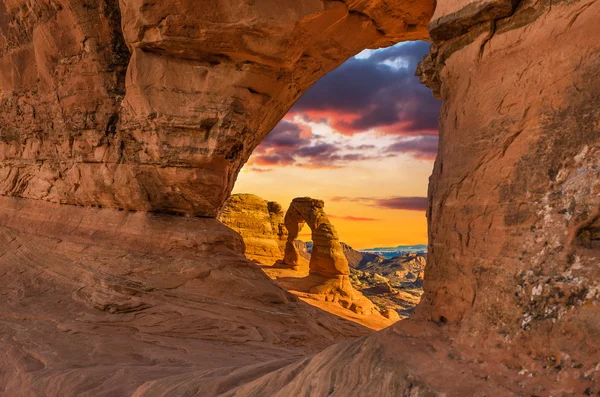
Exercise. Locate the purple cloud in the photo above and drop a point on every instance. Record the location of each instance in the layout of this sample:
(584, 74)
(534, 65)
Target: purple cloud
(393, 203)
(378, 92)
(422, 147)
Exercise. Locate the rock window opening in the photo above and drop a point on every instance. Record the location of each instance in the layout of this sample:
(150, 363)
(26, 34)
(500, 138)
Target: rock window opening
(361, 143)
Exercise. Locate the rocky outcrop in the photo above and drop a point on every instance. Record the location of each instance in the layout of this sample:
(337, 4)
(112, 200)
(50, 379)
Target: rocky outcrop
(516, 182)
(259, 223)
(328, 267)
(392, 284)
(403, 268)
(356, 258)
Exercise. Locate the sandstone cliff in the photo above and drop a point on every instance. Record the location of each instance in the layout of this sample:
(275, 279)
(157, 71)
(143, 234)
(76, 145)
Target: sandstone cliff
(260, 223)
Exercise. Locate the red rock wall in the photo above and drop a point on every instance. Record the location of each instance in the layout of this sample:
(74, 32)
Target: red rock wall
(515, 192)
(63, 79)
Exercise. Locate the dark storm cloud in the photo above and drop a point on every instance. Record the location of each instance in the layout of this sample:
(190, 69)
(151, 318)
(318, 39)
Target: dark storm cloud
(403, 203)
(378, 92)
(423, 147)
(282, 159)
(317, 151)
(393, 203)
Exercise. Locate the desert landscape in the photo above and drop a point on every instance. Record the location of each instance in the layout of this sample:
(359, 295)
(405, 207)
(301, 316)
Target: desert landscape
(366, 286)
(131, 264)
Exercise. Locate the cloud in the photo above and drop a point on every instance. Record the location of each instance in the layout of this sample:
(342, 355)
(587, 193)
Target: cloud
(293, 143)
(288, 134)
(375, 92)
(353, 218)
(316, 151)
(423, 147)
(273, 159)
(369, 96)
(393, 203)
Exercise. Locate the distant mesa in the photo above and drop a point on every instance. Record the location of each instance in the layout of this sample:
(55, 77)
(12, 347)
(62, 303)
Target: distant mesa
(356, 258)
(391, 252)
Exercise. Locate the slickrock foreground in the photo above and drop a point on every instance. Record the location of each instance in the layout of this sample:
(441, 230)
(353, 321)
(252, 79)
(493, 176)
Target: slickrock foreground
(97, 302)
(155, 106)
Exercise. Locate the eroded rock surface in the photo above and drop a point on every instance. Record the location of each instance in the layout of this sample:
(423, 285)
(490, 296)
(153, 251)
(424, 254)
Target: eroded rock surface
(392, 284)
(262, 227)
(259, 223)
(98, 302)
(327, 257)
(160, 115)
(102, 302)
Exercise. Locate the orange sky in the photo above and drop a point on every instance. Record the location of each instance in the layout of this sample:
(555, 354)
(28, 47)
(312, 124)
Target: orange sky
(402, 175)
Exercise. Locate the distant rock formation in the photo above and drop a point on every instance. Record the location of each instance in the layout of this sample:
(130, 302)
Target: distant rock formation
(356, 258)
(403, 268)
(395, 283)
(328, 267)
(327, 256)
(303, 249)
(260, 223)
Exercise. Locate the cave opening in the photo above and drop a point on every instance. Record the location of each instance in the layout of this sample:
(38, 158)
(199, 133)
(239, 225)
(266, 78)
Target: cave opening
(362, 141)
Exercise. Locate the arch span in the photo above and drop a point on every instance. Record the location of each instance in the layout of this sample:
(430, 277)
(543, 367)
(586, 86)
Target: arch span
(327, 258)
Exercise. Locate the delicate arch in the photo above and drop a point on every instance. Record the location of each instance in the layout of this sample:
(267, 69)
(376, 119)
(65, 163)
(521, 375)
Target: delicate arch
(327, 258)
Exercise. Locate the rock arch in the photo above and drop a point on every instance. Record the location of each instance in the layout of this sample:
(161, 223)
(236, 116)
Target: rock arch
(512, 288)
(327, 258)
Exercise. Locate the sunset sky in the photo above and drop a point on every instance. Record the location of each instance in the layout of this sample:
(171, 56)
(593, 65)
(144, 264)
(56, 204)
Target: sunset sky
(363, 139)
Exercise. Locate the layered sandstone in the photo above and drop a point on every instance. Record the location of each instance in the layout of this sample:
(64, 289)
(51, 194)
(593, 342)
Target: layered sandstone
(328, 271)
(107, 302)
(98, 302)
(155, 106)
(259, 223)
